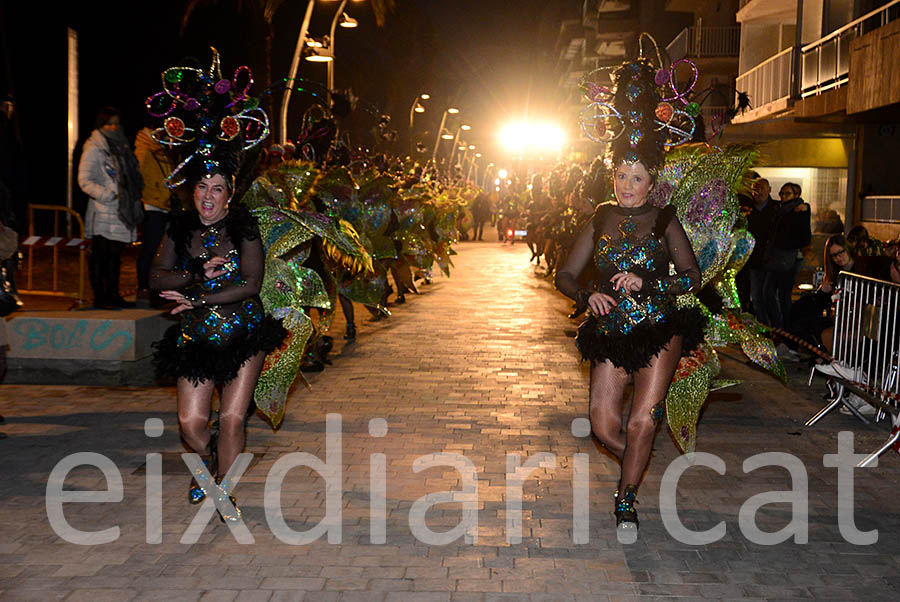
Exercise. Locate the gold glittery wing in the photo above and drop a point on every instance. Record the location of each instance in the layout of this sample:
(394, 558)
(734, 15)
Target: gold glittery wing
(687, 394)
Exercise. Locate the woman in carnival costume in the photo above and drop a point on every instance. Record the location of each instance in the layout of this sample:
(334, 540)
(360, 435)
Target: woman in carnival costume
(211, 264)
(648, 323)
(636, 330)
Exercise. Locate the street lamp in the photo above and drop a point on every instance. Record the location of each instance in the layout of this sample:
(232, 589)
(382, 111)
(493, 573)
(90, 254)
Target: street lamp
(348, 22)
(417, 107)
(437, 141)
(463, 128)
(475, 157)
(295, 64)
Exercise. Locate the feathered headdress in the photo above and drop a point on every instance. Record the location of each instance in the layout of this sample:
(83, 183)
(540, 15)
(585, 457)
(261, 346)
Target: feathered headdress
(212, 120)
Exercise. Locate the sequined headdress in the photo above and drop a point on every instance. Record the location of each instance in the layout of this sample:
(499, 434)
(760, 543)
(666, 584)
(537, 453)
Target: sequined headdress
(210, 119)
(637, 109)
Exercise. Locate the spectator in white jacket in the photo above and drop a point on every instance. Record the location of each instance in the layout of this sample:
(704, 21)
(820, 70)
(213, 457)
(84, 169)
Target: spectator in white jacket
(98, 177)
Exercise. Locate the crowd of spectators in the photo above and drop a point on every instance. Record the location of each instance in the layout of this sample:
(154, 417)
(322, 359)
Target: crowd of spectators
(783, 230)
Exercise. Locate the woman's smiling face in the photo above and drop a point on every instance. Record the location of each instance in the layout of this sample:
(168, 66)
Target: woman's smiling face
(633, 184)
(211, 198)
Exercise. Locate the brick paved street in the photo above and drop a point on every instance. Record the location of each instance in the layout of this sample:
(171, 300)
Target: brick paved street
(479, 365)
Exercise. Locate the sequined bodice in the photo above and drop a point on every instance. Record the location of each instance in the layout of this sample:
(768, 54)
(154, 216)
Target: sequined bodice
(643, 255)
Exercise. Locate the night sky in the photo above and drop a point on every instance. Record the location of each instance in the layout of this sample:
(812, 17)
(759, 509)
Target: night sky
(493, 59)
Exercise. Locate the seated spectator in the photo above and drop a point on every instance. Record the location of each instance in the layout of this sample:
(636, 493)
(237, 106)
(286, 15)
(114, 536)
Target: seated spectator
(812, 316)
(864, 245)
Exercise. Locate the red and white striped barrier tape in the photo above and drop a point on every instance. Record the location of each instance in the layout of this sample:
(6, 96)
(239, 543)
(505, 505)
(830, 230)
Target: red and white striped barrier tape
(54, 241)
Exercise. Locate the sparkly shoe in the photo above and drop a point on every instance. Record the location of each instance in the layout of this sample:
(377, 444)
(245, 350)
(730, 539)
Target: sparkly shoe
(626, 516)
(197, 491)
(227, 516)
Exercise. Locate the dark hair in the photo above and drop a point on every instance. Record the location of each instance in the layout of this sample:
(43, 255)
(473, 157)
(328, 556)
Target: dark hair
(857, 233)
(104, 116)
(831, 268)
(794, 188)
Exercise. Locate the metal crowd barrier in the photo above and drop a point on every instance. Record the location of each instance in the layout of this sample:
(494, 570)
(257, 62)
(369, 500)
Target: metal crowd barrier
(56, 242)
(866, 353)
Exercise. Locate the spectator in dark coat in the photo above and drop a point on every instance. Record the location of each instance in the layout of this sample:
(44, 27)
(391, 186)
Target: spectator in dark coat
(790, 234)
(759, 222)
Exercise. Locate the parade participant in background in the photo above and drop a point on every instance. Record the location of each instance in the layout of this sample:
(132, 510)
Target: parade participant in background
(211, 264)
(155, 168)
(635, 330)
(109, 174)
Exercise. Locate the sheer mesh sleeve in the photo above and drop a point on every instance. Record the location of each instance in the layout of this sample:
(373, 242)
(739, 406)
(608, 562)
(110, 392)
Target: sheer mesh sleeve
(163, 275)
(579, 256)
(687, 272)
(250, 283)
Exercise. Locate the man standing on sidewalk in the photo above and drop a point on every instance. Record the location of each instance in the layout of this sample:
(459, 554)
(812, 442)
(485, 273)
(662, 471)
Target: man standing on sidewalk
(759, 222)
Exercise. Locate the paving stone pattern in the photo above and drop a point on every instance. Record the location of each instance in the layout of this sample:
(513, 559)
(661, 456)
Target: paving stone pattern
(481, 365)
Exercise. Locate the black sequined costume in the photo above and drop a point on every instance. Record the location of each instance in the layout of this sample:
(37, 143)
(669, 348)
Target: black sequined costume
(643, 241)
(228, 324)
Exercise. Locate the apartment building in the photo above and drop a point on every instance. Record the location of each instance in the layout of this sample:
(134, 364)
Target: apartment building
(824, 89)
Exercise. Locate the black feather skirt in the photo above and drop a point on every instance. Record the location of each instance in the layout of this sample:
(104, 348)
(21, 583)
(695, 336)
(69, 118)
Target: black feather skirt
(201, 360)
(634, 350)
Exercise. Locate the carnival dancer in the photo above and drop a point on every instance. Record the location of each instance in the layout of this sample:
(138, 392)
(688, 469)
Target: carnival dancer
(635, 330)
(211, 264)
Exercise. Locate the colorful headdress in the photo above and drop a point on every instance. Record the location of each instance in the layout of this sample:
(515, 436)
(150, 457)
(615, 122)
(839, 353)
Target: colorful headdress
(212, 120)
(640, 112)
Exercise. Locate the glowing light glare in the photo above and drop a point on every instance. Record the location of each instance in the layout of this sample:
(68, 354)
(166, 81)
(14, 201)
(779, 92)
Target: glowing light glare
(496, 181)
(447, 136)
(424, 96)
(471, 147)
(477, 155)
(419, 109)
(453, 111)
(529, 136)
(502, 174)
(465, 127)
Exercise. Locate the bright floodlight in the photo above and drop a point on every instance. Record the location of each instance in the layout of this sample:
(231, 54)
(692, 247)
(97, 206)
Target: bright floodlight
(453, 110)
(526, 136)
(465, 127)
(419, 109)
(477, 155)
(447, 136)
(424, 96)
(471, 147)
(502, 174)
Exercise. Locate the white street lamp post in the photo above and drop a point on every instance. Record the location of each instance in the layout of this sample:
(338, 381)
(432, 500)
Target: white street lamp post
(334, 22)
(437, 141)
(295, 62)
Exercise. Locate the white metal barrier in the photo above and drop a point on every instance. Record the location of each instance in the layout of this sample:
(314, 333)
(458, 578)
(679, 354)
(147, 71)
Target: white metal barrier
(866, 354)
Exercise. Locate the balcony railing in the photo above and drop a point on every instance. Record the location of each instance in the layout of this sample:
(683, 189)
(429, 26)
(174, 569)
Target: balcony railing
(702, 41)
(769, 81)
(825, 64)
